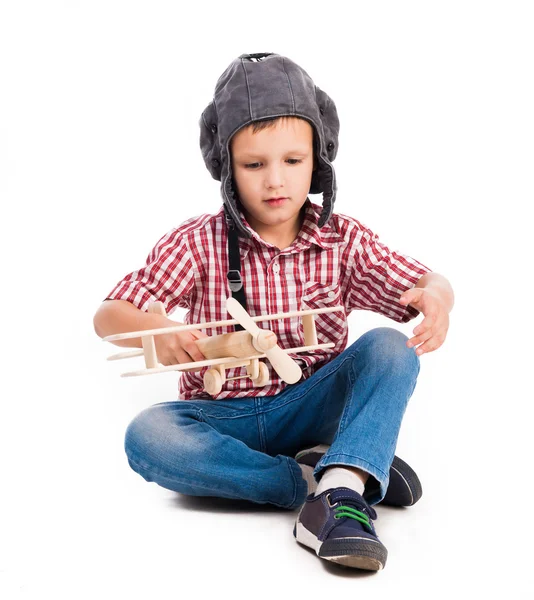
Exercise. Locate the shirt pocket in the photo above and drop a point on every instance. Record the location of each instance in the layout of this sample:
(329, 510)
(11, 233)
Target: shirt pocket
(331, 327)
(318, 295)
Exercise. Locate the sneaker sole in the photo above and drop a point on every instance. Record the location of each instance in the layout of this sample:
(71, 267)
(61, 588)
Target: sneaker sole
(358, 553)
(411, 486)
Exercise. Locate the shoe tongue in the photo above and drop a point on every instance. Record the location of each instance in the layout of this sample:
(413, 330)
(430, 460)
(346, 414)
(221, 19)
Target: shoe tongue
(341, 493)
(348, 496)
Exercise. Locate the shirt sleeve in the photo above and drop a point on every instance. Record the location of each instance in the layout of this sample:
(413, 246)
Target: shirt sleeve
(168, 276)
(379, 276)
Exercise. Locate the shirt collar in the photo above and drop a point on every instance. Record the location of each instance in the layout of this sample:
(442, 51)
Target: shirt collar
(328, 236)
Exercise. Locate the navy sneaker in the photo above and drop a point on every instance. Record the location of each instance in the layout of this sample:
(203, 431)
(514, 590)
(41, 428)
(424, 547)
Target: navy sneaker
(404, 487)
(338, 525)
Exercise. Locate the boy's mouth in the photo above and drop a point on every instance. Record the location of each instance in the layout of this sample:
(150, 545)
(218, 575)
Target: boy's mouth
(276, 201)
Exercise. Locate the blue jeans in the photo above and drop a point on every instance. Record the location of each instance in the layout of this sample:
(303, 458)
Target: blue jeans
(243, 448)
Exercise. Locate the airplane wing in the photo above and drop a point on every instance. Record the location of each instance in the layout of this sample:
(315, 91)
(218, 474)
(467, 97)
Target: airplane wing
(213, 324)
(230, 362)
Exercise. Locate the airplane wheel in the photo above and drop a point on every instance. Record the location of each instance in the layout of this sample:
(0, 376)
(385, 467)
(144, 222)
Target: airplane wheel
(213, 382)
(263, 377)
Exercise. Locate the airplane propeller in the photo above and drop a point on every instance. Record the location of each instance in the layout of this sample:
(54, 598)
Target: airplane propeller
(282, 363)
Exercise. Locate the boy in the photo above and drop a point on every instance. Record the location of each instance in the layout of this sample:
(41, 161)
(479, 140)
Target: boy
(270, 136)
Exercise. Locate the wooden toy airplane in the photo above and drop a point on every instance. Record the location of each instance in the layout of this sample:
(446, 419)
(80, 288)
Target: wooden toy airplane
(230, 350)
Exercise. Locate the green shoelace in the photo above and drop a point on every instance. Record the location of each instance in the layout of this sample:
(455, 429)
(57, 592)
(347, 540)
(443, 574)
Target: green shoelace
(347, 511)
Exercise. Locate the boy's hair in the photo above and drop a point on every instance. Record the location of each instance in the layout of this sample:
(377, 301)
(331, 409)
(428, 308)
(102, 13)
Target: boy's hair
(268, 123)
(263, 87)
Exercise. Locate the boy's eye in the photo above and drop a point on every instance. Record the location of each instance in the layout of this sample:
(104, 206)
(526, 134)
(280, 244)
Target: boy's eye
(291, 161)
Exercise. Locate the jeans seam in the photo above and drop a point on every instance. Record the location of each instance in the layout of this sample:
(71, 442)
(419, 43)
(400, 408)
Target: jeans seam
(259, 421)
(236, 415)
(295, 482)
(175, 407)
(342, 419)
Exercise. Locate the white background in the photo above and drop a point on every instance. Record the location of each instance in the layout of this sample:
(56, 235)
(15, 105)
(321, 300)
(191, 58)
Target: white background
(99, 157)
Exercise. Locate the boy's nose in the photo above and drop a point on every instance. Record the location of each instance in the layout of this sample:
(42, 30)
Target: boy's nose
(273, 178)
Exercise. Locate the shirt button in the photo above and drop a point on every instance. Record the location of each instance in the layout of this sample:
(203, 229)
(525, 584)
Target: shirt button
(276, 268)
(332, 294)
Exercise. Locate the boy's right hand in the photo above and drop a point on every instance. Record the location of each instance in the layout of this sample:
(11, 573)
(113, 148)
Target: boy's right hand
(179, 347)
(120, 316)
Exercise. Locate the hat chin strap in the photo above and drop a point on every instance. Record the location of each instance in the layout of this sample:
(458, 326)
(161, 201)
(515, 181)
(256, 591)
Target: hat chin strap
(326, 212)
(329, 193)
(235, 280)
(230, 204)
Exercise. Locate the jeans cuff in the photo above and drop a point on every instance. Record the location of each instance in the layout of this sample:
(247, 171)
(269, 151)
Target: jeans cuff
(301, 487)
(375, 493)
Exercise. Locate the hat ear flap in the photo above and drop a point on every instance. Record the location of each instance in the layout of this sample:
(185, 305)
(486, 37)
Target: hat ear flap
(327, 181)
(330, 122)
(210, 144)
(324, 178)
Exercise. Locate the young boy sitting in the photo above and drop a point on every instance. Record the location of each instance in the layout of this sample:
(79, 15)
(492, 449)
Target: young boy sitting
(327, 443)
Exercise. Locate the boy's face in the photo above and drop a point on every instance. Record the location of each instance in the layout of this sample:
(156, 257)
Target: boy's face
(276, 162)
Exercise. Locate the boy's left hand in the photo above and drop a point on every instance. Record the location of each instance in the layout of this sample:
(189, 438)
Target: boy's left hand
(432, 330)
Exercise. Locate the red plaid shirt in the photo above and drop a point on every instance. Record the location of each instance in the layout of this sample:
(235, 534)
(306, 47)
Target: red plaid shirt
(342, 263)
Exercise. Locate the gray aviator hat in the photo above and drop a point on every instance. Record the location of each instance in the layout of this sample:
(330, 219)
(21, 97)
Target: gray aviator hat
(262, 86)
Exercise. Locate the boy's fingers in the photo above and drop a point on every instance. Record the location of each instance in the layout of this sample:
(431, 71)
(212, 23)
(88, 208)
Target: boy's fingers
(174, 357)
(427, 323)
(192, 349)
(429, 346)
(419, 339)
